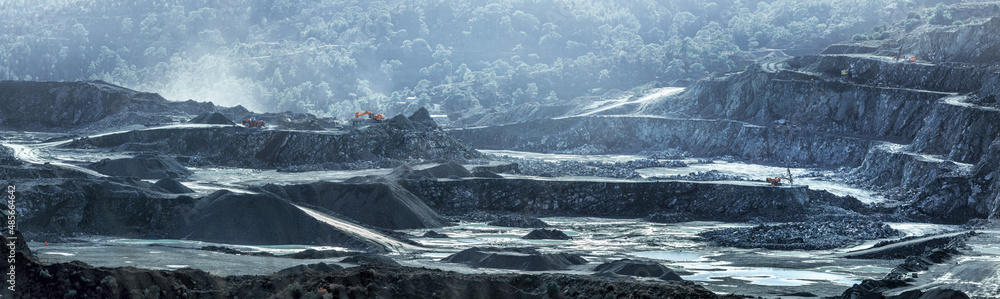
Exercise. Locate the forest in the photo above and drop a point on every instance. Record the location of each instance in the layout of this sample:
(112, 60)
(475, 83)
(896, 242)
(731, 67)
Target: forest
(334, 57)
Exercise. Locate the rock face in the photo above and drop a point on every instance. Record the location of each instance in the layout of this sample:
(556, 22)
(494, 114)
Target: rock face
(901, 126)
(90, 105)
(738, 201)
(227, 217)
(382, 204)
(546, 234)
(215, 118)
(638, 268)
(143, 167)
(634, 134)
(528, 259)
(382, 144)
(111, 207)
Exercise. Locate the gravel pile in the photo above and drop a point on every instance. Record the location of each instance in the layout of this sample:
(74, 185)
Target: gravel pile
(618, 169)
(711, 175)
(801, 235)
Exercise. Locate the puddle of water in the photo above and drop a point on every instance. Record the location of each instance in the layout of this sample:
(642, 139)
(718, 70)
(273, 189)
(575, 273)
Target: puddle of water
(787, 254)
(671, 255)
(987, 249)
(59, 253)
(772, 276)
(437, 255)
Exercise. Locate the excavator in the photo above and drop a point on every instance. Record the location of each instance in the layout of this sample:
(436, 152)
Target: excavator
(776, 181)
(253, 123)
(371, 117)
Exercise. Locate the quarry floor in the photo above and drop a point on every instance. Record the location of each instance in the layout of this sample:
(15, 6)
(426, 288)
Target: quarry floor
(756, 272)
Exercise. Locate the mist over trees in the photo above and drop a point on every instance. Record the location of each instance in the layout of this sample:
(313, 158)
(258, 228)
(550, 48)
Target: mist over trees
(336, 57)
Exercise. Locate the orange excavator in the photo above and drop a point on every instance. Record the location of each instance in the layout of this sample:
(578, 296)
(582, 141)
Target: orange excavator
(253, 123)
(776, 181)
(370, 115)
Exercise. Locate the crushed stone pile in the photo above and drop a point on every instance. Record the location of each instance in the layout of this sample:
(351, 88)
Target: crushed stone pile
(528, 259)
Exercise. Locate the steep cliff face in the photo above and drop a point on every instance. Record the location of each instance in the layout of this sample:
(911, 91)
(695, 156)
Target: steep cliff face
(973, 43)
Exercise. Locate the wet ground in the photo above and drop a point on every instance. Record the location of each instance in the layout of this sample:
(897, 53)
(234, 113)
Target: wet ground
(757, 272)
(720, 269)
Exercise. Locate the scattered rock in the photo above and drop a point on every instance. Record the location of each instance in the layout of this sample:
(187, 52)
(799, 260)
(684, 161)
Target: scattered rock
(434, 234)
(518, 220)
(527, 258)
(143, 167)
(228, 250)
(368, 281)
(172, 186)
(801, 235)
(660, 217)
(318, 267)
(638, 268)
(211, 118)
(549, 234)
(312, 254)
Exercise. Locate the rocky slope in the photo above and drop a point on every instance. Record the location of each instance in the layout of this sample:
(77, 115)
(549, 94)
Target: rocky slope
(923, 132)
(383, 204)
(125, 207)
(86, 106)
(384, 144)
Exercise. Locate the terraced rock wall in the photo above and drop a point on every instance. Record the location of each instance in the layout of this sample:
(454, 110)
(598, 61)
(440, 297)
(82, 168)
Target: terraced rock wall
(701, 137)
(739, 201)
(243, 147)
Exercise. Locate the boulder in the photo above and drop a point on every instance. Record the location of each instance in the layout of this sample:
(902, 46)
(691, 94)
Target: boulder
(546, 234)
